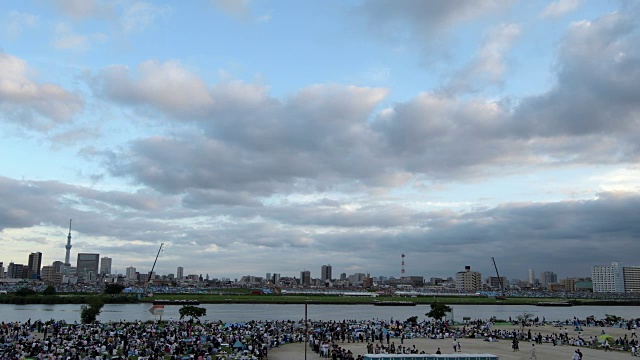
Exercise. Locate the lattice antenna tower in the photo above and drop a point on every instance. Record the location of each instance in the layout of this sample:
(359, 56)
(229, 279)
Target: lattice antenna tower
(402, 269)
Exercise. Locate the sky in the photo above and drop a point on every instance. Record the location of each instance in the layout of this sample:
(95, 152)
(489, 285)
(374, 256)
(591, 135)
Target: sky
(256, 136)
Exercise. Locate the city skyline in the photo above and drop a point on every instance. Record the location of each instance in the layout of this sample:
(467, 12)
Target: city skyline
(243, 134)
(324, 272)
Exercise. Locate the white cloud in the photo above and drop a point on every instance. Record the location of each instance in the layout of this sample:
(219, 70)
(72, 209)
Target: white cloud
(488, 65)
(560, 8)
(140, 15)
(239, 8)
(19, 93)
(266, 17)
(18, 22)
(626, 179)
(66, 39)
(81, 9)
(167, 86)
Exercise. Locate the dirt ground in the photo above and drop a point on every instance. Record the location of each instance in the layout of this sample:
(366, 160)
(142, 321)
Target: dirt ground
(501, 348)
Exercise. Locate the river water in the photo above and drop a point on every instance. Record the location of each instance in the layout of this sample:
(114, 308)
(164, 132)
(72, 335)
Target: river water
(247, 312)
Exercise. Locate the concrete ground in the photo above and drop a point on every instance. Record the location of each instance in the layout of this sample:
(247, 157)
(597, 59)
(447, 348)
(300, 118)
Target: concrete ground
(501, 348)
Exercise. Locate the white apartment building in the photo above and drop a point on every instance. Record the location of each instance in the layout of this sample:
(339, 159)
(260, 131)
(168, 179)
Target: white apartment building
(608, 278)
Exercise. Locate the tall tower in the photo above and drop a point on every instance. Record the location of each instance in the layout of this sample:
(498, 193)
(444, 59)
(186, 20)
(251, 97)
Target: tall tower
(402, 269)
(67, 263)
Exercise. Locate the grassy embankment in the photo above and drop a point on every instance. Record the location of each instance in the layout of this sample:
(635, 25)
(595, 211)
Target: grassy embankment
(64, 299)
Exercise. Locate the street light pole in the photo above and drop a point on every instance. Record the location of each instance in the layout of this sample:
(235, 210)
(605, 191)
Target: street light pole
(306, 331)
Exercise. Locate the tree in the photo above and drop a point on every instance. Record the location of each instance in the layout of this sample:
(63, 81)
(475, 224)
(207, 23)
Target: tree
(49, 290)
(113, 289)
(192, 312)
(91, 310)
(438, 310)
(24, 291)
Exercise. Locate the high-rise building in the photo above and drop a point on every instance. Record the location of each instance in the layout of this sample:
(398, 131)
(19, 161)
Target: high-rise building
(532, 278)
(58, 266)
(305, 278)
(131, 273)
(608, 278)
(325, 273)
(87, 265)
(468, 280)
(180, 273)
(276, 278)
(35, 264)
(548, 277)
(1, 269)
(105, 266)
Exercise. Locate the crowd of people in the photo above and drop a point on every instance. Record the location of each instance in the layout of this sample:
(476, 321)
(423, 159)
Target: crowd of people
(57, 340)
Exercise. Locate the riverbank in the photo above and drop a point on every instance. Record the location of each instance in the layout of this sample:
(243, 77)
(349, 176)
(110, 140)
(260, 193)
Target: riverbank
(304, 299)
(359, 300)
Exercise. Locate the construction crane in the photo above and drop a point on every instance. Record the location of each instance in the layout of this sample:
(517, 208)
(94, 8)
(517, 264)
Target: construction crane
(501, 296)
(153, 267)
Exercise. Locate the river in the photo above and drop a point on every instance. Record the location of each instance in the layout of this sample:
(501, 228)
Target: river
(247, 312)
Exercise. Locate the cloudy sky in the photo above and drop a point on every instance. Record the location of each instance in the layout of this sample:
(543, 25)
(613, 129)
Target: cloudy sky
(277, 136)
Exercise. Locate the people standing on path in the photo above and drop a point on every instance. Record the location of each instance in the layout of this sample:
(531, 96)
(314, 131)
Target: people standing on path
(533, 352)
(576, 355)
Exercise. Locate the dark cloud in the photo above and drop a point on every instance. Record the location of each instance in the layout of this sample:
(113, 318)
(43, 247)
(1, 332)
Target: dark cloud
(423, 23)
(598, 87)
(199, 198)
(565, 236)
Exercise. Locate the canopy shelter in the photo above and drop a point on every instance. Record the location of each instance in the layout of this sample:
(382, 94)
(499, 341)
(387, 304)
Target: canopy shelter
(607, 338)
